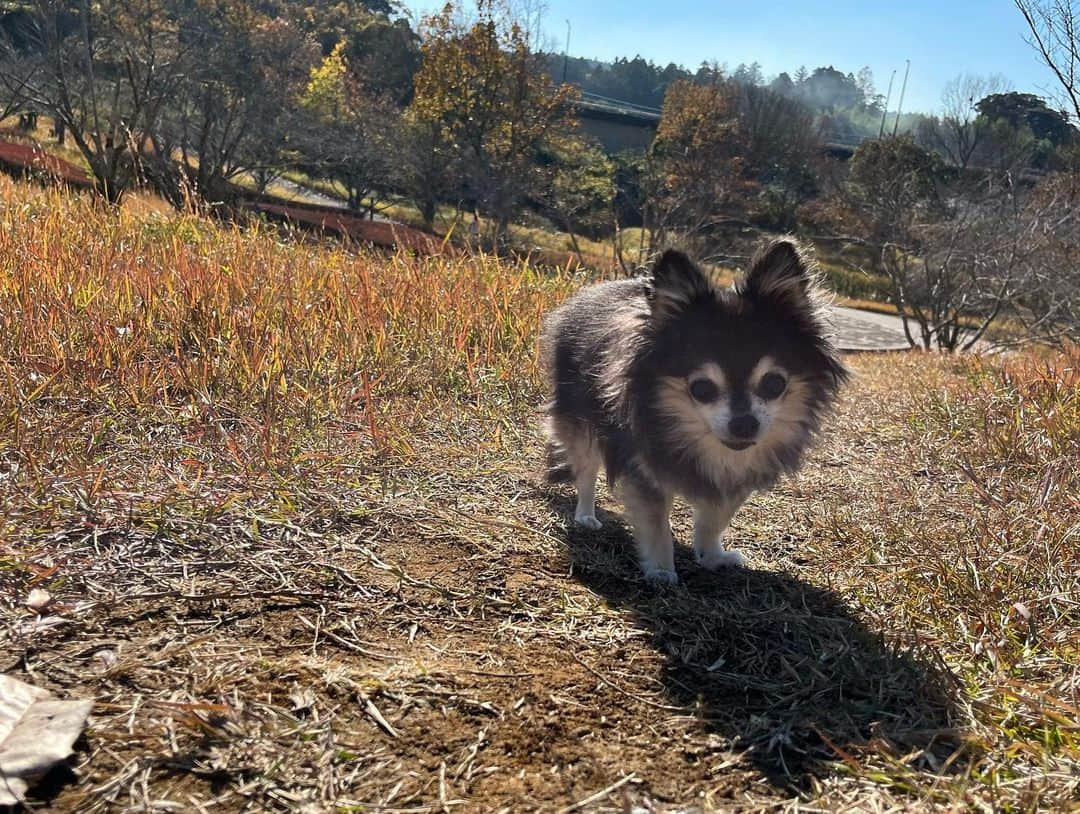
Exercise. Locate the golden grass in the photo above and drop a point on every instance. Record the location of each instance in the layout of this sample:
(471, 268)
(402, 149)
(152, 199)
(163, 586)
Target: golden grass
(286, 498)
(176, 312)
(969, 551)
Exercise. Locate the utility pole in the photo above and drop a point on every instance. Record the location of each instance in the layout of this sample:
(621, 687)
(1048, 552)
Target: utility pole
(566, 52)
(900, 104)
(885, 107)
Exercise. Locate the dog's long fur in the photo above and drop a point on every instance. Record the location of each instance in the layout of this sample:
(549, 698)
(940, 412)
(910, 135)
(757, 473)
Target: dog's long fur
(625, 360)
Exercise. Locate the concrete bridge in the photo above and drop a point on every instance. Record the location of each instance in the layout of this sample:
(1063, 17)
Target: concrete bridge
(616, 124)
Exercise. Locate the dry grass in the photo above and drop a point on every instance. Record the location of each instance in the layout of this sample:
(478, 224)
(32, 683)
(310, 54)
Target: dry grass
(287, 501)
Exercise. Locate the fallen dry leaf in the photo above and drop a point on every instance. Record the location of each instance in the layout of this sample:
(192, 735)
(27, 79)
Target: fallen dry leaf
(302, 699)
(37, 731)
(38, 600)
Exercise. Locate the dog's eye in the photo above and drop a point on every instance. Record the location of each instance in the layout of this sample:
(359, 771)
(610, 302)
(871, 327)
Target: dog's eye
(704, 391)
(771, 386)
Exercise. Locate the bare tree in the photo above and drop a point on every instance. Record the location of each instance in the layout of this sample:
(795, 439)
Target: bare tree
(780, 145)
(11, 101)
(1055, 34)
(233, 110)
(104, 71)
(1050, 305)
(960, 131)
(955, 277)
(962, 253)
(16, 71)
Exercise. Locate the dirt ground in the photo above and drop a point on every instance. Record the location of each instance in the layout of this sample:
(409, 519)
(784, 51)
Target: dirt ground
(437, 636)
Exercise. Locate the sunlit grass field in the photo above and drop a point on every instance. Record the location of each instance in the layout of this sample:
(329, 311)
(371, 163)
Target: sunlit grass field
(287, 499)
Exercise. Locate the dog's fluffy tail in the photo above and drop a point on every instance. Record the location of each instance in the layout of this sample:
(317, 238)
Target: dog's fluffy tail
(558, 468)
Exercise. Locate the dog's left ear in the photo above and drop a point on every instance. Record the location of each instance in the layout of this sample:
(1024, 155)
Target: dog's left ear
(676, 282)
(781, 274)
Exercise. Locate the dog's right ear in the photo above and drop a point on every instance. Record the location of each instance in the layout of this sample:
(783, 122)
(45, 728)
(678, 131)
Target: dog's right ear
(676, 282)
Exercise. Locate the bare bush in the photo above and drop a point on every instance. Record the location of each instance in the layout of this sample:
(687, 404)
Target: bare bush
(1006, 254)
(965, 251)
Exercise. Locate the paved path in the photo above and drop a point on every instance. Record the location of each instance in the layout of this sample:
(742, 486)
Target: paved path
(867, 330)
(305, 194)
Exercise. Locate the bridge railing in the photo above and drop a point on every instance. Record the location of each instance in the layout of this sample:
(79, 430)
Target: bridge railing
(594, 101)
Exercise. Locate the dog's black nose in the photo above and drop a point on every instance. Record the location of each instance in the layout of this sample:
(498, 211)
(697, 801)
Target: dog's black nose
(744, 426)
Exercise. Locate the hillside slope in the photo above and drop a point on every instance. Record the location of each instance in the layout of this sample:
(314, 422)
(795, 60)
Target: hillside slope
(287, 503)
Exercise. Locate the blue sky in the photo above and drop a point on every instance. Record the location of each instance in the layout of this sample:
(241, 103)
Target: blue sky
(942, 38)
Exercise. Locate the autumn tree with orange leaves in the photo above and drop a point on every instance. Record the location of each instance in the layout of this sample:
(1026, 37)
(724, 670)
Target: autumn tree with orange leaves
(481, 85)
(694, 162)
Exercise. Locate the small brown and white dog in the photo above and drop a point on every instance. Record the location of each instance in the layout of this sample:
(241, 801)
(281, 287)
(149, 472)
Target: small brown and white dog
(679, 387)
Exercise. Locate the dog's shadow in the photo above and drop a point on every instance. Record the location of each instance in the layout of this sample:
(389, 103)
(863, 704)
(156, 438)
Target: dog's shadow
(782, 670)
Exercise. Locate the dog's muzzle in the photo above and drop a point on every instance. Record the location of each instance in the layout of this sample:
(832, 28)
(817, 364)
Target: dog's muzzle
(744, 429)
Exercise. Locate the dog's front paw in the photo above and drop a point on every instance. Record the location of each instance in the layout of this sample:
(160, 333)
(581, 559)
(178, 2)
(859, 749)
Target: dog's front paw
(588, 521)
(715, 560)
(660, 577)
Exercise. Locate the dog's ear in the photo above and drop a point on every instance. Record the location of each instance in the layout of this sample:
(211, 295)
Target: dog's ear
(676, 282)
(780, 273)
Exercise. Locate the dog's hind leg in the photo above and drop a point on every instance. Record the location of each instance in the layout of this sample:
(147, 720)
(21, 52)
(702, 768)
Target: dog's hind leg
(585, 480)
(710, 521)
(579, 454)
(648, 511)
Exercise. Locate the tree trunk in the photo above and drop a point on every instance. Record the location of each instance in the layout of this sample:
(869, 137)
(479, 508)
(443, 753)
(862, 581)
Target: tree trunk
(573, 241)
(427, 212)
(109, 189)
